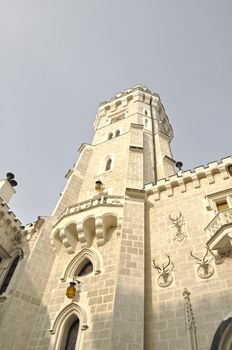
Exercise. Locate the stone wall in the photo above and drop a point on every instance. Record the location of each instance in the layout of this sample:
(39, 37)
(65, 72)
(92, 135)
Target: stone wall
(165, 324)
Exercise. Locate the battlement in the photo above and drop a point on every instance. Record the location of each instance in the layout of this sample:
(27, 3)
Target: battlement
(117, 107)
(12, 226)
(182, 178)
(128, 92)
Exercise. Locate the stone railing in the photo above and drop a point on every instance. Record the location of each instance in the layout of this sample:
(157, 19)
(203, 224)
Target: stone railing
(221, 219)
(101, 200)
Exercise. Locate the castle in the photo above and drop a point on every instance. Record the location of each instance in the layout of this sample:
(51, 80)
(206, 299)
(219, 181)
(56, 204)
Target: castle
(137, 252)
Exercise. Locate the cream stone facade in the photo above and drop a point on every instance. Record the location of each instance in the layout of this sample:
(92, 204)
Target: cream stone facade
(150, 248)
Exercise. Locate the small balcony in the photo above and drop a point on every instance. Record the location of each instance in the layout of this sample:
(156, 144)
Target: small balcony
(95, 218)
(219, 232)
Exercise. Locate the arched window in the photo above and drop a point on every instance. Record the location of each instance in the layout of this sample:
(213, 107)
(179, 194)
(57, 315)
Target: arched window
(86, 269)
(108, 164)
(222, 339)
(68, 327)
(9, 275)
(146, 123)
(110, 136)
(71, 334)
(87, 260)
(117, 133)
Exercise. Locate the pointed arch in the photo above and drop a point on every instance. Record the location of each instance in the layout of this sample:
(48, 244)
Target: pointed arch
(64, 321)
(78, 262)
(222, 339)
(110, 136)
(9, 267)
(108, 164)
(17, 252)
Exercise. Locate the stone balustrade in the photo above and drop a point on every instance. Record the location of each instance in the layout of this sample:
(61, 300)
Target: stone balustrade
(81, 222)
(223, 218)
(99, 200)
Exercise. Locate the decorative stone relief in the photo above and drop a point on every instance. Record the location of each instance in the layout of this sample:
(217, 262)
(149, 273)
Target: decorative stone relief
(205, 269)
(165, 277)
(178, 228)
(189, 320)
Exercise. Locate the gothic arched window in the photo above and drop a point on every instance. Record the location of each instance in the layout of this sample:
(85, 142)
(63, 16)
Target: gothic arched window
(117, 133)
(72, 333)
(110, 136)
(9, 275)
(108, 164)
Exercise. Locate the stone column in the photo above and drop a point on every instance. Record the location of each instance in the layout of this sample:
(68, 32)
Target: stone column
(128, 313)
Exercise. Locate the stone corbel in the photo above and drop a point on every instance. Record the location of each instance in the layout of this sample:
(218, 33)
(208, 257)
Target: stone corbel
(182, 186)
(99, 230)
(210, 177)
(66, 241)
(223, 171)
(196, 181)
(81, 235)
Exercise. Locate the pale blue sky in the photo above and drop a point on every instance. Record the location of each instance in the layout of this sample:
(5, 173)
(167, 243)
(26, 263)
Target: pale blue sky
(60, 59)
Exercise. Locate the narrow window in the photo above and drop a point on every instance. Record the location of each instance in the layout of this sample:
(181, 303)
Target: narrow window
(9, 275)
(72, 336)
(146, 123)
(145, 112)
(117, 133)
(110, 136)
(108, 164)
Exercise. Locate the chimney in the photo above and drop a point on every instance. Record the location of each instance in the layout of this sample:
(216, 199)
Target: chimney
(7, 187)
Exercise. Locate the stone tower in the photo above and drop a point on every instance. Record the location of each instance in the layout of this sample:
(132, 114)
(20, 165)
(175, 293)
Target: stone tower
(133, 237)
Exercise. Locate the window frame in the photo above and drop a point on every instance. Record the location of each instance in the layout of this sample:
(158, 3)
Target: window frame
(62, 323)
(5, 266)
(215, 198)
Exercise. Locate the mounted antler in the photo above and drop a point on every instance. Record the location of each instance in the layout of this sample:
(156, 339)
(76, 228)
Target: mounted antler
(176, 219)
(195, 257)
(165, 278)
(156, 266)
(202, 261)
(205, 270)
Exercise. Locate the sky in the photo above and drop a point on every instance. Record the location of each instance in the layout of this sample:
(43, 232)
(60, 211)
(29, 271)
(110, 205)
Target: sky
(60, 58)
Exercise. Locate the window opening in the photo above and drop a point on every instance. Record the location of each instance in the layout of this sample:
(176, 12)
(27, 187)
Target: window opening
(117, 133)
(222, 205)
(72, 335)
(146, 123)
(108, 164)
(86, 269)
(145, 112)
(110, 136)
(9, 275)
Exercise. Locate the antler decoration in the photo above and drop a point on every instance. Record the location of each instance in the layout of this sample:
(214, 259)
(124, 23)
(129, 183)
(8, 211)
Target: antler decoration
(176, 219)
(205, 269)
(165, 278)
(178, 227)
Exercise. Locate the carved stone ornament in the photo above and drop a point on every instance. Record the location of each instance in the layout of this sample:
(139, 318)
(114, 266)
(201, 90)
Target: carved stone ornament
(205, 269)
(178, 228)
(190, 321)
(165, 277)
